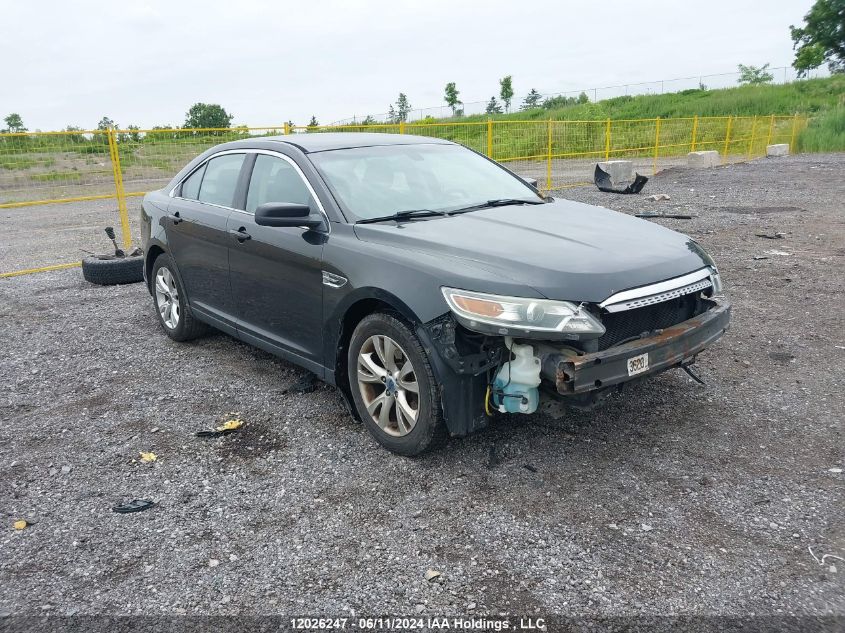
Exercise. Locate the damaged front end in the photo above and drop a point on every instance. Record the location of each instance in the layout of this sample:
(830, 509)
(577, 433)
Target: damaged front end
(575, 373)
(488, 361)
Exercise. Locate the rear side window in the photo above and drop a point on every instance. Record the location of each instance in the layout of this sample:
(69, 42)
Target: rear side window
(221, 179)
(191, 185)
(275, 180)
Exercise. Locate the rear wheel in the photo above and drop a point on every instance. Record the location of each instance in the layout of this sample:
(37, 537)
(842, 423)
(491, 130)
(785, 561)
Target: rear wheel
(171, 303)
(393, 386)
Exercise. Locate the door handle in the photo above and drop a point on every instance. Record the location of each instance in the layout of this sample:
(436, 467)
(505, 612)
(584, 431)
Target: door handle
(241, 235)
(175, 218)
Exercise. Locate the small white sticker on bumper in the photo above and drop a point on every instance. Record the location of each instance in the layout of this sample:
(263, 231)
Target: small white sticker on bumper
(638, 364)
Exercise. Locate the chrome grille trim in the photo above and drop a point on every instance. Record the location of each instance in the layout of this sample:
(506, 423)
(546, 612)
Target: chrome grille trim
(656, 293)
(664, 296)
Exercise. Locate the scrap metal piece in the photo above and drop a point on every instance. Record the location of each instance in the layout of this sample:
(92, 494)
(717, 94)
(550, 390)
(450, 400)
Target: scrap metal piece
(603, 182)
(671, 216)
(689, 371)
(136, 505)
(118, 252)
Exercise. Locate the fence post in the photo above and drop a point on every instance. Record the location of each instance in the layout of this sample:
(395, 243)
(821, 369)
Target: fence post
(656, 145)
(549, 159)
(401, 127)
(727, 140)
(607, 140)
(771, 131)
(751, 140)
(120, 194)
(694, 132)
(792, 137)
(287, 128)
(489, 137)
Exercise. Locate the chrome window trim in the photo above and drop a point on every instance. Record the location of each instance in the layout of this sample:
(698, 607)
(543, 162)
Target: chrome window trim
(662, 287)
(268, 152)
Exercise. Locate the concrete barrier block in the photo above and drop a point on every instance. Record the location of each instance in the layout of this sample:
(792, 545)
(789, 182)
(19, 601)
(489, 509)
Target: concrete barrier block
(621, 171)
(703, 160)
(781, 149)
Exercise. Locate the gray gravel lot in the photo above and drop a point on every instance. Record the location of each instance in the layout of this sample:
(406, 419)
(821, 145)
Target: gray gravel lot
(670, 499)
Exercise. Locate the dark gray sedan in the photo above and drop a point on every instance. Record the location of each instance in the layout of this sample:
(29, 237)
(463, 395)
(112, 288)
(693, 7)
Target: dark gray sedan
(430, 284)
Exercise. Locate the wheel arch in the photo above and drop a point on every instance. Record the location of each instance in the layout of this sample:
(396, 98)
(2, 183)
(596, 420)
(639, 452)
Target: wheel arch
(353, 314)
(152, 254)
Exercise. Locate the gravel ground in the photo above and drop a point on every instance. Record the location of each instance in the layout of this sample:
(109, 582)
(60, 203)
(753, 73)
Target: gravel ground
(672, 498)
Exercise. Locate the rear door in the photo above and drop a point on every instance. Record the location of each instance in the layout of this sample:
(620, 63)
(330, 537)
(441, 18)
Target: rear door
(276, 273)
(196, 233)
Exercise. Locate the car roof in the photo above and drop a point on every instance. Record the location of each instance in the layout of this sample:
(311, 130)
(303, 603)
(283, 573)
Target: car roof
(325, 141)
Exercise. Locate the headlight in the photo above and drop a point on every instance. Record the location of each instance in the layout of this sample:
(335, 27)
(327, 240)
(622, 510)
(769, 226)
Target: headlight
(496, 314)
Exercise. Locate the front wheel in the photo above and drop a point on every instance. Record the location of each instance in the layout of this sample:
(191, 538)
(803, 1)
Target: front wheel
(172, 304)
(393, 386)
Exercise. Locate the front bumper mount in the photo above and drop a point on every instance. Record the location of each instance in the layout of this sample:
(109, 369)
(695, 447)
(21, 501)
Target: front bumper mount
(573, 373)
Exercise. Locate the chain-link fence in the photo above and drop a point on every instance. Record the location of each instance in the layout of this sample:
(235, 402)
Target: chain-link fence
(713, 81)
(82, 180)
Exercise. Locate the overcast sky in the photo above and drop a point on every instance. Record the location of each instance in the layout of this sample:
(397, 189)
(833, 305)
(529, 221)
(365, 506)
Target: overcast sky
(144, 62)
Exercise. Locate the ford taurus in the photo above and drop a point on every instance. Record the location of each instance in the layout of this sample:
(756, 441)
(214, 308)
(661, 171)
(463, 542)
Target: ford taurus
(430, 284)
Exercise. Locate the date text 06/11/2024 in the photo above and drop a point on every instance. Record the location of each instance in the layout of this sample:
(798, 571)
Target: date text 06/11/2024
(418, 623)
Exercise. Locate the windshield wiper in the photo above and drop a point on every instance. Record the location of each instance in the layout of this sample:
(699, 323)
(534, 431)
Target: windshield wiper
(499, 202)
(403, 215)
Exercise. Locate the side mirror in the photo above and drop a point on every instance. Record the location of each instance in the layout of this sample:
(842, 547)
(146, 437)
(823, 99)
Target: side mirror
(286, 214)
(530, 181)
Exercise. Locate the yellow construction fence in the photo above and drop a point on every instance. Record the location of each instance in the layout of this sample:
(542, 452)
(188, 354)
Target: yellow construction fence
(45, 168)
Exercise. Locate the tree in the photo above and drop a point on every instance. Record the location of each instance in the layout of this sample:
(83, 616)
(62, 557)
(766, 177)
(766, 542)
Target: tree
(532, 100)
(313, 122)
(403, 107)
(821, 39)
(754, 76)
(493, 106)
(106, 124)
(583, 98)
(391, 115)
(207, 115)
(506, 91)
(14, 123)
(368, 120)
(74, 138)
(451, 96)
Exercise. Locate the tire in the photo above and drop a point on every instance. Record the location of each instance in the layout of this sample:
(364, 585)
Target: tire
(108, 270)
(393, 391)
(185, 326)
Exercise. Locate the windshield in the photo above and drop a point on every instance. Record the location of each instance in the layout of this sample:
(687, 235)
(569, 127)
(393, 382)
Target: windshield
(371, 182)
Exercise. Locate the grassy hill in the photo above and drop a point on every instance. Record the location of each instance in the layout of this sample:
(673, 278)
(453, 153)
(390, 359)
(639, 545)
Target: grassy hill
(822, 99)
(811, 97)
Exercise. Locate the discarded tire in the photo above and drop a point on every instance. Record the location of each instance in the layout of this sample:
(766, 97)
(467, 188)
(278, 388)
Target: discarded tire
(108, 270)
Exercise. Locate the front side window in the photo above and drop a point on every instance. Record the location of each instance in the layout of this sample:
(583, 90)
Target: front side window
(221, 179)
(275, 180)
(191, 185)
(375, 181)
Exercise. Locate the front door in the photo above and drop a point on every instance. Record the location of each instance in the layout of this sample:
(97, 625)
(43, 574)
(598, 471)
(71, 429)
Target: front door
(276, 273)
(197, 234)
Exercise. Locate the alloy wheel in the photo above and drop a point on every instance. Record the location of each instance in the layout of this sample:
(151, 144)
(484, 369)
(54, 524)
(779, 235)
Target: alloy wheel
(167, 298)
(388, 385)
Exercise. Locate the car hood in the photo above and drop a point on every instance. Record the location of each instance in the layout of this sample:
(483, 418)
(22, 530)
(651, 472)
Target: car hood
(563, 250)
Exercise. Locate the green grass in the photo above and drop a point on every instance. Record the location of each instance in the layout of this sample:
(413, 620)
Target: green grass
(24, 162)
(816, 98)
(58, 176)
(17, 162)
(804, 97)
(825, 133)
